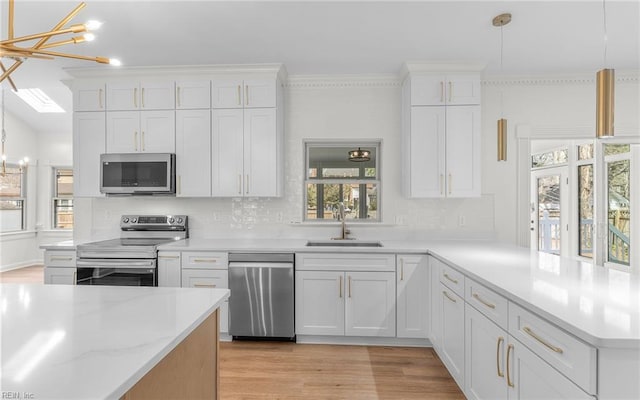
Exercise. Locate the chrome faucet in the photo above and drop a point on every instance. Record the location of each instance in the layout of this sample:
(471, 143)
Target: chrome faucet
(343, 229)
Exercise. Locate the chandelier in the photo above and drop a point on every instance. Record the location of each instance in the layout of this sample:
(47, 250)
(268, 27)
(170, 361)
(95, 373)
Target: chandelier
(37, 45)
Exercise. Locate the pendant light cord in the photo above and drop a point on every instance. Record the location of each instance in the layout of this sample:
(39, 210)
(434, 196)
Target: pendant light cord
(4, 137)
(604, 24)
(501, 70)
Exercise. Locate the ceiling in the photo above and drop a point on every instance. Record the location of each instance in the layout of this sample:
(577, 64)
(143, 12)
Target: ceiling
(331, 37)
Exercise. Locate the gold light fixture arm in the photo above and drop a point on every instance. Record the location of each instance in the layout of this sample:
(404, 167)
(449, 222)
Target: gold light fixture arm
(10, 27)
(77, 28)
(4, 69)
(62, 22)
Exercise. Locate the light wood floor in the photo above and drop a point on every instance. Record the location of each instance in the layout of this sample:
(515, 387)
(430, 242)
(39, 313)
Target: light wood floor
(269, 370)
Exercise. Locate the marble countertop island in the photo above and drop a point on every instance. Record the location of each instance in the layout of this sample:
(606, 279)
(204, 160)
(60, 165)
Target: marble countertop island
(92, 342)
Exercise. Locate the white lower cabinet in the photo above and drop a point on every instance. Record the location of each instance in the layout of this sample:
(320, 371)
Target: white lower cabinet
(370, 304)
(60, 267)
(412, 300)
(319, 303)
(169, 269)
(452, 339)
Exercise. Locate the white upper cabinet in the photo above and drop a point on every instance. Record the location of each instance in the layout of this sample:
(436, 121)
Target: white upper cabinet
(152, 95)
(441, 137)
(193, 153)
(440, 89)
(140, 132)
(237, 93)
(88, 144)
(227, 153)
(193, 95)
(89, 96)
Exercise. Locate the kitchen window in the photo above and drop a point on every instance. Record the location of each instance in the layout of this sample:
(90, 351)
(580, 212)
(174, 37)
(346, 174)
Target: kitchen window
(618, 177)
(332, 177)
(62, 198)
(12, 198)
(585, 200)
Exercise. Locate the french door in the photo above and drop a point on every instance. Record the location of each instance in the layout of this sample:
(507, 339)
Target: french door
(549, 210)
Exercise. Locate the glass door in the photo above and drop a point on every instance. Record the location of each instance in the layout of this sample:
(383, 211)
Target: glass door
(548, 210)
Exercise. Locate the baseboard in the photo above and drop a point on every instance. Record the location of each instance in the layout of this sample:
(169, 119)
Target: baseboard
(22, 264)
(364, 341)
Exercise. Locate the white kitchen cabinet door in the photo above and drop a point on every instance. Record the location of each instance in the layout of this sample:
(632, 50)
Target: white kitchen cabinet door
(59, 276)
(209, 279)
(169, 269)
(412, 277)
(193, 95)
(370, 304)
(428, 90)
(452, 340)
(463, 89)
(157, 132)
(123, 96)
(532, 378)
(123, 132)
(227, 93)
(89, 96)
(463, 151)
(193, 153)
(227, 140)
(261, 152)
(427, 152)
(157, 95)
(320, 303)
(88, 144)
(435, 334)
(260, 93)
(485, 357)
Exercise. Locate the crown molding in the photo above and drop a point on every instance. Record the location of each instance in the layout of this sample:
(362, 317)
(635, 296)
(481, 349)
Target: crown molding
(342, 81)
(577, 79)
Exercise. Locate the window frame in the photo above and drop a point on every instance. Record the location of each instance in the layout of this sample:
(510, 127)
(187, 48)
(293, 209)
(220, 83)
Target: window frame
(377, 181)
(55, 196)
(606, 159)
(575, 164)
(22, 198)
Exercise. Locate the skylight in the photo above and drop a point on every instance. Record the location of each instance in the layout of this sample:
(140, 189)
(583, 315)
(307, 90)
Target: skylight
(39, 100)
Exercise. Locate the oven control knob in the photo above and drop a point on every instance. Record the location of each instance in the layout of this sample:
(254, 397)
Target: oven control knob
(171, 220)
(134, 220)
(179, 220)
(125, 220)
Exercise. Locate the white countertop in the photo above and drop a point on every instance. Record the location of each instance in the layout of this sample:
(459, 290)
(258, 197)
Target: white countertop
(66, 245)
(599, 305)
(92, 342)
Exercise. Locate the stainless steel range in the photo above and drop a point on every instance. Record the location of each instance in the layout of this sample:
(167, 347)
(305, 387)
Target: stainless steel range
(130, 260)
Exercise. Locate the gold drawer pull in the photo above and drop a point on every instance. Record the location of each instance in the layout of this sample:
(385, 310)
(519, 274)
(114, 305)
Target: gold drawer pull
(201, 260)
(500, 341)
(203, 285)
(509, 382)
(169, 257)
(450, 278)
(58, 258)
(448, 296)
(481, 300)
(528, 331)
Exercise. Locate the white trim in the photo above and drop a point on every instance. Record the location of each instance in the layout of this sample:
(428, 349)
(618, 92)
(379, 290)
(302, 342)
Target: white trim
(17, 235)
(22, 264)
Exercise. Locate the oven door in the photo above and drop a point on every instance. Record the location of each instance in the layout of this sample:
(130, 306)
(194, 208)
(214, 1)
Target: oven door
(117, 272)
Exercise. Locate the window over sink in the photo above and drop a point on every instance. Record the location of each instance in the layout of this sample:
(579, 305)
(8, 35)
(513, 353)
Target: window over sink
(331, 178)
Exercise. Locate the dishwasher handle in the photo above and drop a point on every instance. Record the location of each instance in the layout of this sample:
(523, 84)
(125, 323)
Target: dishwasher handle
(259, 265)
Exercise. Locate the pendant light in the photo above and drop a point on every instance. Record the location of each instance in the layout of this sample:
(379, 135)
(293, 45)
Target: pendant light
(500, 21)
(359, 155)
(605, 91)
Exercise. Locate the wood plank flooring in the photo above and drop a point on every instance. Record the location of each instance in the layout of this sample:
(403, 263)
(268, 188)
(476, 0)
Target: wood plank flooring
(271, 370)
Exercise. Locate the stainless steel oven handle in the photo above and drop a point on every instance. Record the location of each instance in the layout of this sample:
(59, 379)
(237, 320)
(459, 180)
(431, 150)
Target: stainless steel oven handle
(260, 265)
(115, 263)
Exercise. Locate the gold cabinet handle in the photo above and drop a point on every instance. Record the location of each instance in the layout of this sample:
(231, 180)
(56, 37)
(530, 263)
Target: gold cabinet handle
(481, 300)
(239, 95)
(441, 92)
(203, 285)
(135, 140)
(556, 349)
(203, 260)
(179, 179)
(246, 95)
(169, 257)
(239, 183)
(178, 96)
(340, 286)
(247, 183)
(449, 296)
(500, 341)
(60, 258)
(450, 91)
(135, 97)
(100, 93)
(349, 286)
(441, 184)
(450, 278)
(450, 183)
(142, 97)
(402, 269)
(509, 382)
(75, 277)
(142, 140)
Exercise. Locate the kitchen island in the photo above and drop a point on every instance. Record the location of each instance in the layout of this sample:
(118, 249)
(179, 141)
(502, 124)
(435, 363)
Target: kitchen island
(107, 342)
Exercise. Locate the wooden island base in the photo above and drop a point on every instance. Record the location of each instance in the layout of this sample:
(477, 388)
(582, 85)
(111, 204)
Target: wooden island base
(190, 371)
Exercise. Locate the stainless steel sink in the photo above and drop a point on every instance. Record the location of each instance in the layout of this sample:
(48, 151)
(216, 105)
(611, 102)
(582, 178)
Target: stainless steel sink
(343, 243)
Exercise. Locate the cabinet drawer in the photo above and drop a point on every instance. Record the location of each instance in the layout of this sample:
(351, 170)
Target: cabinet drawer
(198, 278)
(452, 279)
(59, 258)
(568, 354)
(488, 302)
(205, 260)
(345, 262)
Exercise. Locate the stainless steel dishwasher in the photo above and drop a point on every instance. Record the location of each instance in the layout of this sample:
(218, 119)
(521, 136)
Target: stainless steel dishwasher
(262, 295)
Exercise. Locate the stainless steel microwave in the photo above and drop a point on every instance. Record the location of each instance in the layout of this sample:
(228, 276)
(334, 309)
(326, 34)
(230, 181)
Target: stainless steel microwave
(138, 173)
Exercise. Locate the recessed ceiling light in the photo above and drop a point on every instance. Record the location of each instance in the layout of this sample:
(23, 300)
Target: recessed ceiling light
(39, 100)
